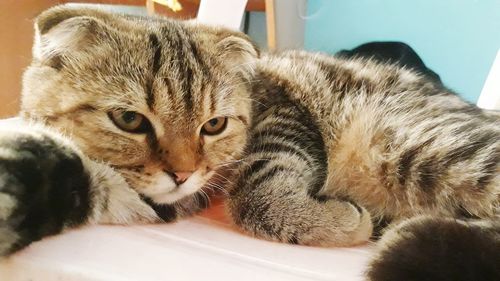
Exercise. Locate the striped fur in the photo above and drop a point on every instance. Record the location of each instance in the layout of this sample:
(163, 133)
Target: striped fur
(317, 150)
(396, 143)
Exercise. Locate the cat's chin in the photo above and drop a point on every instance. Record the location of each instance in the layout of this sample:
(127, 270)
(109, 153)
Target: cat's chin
(188, 188)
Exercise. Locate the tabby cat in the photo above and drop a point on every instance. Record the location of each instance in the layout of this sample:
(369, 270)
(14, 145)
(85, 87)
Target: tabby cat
(131, 119)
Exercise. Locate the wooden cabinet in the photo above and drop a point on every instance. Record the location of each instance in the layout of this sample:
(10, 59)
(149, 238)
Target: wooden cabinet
(16, 38)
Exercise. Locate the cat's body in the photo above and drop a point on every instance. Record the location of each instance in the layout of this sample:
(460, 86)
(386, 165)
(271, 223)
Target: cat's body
(394, 141)
(312, 149)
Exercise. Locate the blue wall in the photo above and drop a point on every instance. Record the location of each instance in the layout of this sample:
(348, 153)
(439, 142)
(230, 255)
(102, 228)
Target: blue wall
(257, 28)
(456, 38)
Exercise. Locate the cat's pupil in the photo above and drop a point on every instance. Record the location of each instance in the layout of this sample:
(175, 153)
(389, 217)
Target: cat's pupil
(129, 116)
(213, 122)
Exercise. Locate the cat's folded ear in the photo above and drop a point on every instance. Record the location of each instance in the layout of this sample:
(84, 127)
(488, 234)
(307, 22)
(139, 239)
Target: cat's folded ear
(237, 50)
(64, 31)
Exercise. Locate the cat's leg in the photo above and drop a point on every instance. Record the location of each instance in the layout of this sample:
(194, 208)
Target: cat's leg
(275, 194)
(47, 185)
(279, 208)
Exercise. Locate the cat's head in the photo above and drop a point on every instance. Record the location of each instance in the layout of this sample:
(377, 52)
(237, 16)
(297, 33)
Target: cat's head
(164, 102)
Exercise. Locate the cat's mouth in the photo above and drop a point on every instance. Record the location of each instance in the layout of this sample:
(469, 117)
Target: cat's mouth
(162, 188)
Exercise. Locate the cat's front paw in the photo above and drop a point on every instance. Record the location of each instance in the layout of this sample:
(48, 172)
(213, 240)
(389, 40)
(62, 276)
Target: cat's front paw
(301, 219)
(43, 187)
(342, 223)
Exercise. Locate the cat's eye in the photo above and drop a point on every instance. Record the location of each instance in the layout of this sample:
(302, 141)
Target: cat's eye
(214, 126)
(130, 121)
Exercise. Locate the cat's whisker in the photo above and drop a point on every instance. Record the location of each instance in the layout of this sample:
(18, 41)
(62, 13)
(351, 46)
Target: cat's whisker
(232, 72)
(228, 88)
(217, 187)
(223, 177)
(219, 175)
(252, 100)
(206, 197)
(228, 163)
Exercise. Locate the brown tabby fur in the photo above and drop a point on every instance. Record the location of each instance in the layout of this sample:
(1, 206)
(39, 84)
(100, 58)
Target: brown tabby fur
(316, 150)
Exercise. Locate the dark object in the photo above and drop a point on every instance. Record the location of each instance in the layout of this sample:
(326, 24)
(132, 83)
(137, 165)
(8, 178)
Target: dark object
(392, 52)
(440, 250)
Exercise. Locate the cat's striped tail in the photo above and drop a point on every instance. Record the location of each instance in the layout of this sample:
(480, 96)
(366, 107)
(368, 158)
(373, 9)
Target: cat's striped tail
(436, 249)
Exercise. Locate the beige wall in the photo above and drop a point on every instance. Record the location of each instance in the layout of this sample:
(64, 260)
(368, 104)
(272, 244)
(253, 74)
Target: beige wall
(16, 32)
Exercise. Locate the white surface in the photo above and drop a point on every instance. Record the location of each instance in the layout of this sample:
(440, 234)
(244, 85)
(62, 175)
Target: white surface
(227, 13)
(490, 95)
(200, 248)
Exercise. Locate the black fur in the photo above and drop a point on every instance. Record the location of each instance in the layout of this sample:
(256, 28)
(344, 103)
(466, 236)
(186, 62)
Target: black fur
(440, 250)
(50, 185)
(395, 52)
(166, 212)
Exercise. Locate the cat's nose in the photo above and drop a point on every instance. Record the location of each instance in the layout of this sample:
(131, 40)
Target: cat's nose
(181, 177)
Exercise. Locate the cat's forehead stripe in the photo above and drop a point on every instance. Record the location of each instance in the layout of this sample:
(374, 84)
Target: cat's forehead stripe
(203, 68)
(175, 40)
(156, 47)
(189, 72)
